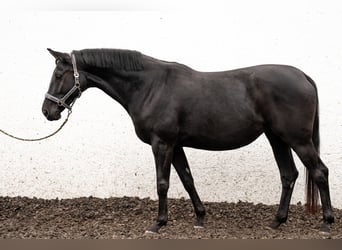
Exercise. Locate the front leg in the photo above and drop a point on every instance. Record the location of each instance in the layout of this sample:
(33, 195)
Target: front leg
(182, 167)
(163, 153)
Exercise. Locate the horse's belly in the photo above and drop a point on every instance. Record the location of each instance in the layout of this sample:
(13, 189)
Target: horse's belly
(224, 139)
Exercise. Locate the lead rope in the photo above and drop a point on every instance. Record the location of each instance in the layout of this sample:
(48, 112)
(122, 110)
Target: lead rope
(40, 138)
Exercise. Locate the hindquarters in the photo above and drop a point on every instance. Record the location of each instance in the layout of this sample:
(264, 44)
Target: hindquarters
(287, 101)
(290, 109)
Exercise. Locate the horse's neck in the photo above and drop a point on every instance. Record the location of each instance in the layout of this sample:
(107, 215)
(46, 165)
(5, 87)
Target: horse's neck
(118, 85)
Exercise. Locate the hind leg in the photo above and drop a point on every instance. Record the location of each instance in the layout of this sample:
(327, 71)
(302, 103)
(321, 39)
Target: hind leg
(288, 175)
(319, 173)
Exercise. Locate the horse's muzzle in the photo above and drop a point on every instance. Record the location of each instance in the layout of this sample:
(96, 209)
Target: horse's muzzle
(54, 116)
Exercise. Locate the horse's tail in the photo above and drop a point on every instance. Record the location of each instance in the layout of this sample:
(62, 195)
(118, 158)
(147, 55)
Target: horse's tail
(312, 195)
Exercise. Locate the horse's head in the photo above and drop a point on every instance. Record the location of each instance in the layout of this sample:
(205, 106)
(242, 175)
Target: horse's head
(64, 86)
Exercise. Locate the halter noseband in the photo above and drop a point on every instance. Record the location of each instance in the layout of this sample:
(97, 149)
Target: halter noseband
(76, 87)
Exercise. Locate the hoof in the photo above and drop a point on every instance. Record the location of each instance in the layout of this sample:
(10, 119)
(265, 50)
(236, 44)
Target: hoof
(274, 225)
(151, 232)
(199, 223)
(198, 227)
(325, 229)
(154, 229)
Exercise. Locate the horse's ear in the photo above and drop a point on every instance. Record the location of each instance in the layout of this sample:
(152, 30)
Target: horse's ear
(59, 56)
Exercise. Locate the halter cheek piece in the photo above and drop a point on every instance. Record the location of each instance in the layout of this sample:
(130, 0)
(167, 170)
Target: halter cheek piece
(76, 87)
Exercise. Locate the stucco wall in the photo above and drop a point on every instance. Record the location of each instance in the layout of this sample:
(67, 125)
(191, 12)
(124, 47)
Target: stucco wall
(98, 154)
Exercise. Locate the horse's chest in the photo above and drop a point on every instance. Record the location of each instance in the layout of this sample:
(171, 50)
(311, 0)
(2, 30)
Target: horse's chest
(143, 133)
(165, 127)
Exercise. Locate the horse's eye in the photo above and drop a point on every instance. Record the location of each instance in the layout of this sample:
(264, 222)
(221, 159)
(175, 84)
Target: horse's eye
(58, 76)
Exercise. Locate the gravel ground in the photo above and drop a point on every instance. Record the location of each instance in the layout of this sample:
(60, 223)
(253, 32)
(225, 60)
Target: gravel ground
(128, 218)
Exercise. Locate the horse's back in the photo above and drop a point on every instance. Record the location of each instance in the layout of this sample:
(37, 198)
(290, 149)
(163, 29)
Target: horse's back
(234, 107)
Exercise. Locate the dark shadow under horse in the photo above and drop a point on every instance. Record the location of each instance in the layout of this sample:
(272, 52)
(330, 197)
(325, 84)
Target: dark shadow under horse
(173, 106)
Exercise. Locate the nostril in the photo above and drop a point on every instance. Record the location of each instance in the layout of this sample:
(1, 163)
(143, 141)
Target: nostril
(45, 112)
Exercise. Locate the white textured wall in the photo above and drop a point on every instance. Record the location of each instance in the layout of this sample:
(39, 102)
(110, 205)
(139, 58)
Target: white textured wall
(98, 154)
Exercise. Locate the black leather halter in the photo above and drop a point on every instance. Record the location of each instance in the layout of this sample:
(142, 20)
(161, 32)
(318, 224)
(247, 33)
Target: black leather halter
(76, 87)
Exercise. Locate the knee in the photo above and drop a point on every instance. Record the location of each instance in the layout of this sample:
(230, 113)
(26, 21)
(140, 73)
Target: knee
(162, 187)
(288, 181)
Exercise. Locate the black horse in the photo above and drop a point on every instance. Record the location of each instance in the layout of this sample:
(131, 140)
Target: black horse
(173, 106)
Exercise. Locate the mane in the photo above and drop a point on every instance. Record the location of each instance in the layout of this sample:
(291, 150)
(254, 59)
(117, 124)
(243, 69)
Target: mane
(127, 60)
